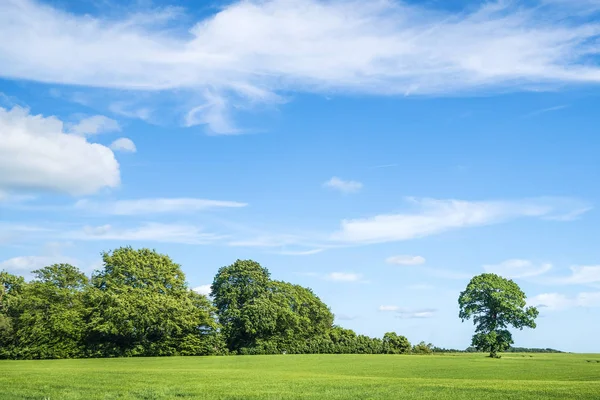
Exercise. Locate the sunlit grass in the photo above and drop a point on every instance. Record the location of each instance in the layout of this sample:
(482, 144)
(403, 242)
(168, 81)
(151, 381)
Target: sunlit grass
(451, 376)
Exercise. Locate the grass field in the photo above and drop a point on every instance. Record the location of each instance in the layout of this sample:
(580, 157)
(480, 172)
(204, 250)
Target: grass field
(464, 376)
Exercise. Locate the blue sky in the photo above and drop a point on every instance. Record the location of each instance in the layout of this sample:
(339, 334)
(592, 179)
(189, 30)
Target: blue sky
(381, 153)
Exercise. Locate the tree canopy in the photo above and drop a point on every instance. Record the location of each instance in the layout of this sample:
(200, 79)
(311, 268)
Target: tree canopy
(495, 304)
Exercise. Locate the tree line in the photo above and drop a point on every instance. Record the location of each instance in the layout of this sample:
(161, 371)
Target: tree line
(139, 304)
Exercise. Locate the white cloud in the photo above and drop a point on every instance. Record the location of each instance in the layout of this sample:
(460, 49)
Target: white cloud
(155, 206)
(150, 232)
(94, 125)
(343, 186)
(405, 260)
(254, 49)
(436, 216)
(214, 113)
(401, 312)
(582, 275)
(417, 314)
(123, 144)
(518, 269)
(202, 289)
(300, 252)
(545, 110)
(344, 277)
(557, 301)
(25, 264)
(36, 154)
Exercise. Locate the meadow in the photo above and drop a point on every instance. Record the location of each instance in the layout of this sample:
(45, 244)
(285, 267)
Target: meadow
(448, 376)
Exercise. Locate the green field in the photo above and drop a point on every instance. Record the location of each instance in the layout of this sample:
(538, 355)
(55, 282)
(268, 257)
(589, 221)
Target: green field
(472, 376)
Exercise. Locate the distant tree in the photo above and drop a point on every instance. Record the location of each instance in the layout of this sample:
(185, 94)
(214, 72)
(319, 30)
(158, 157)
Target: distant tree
(423, 348)
(395, 344)
(140, 305)
(495, 303)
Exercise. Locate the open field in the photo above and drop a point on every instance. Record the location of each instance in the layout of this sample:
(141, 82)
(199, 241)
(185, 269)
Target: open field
(452, 376)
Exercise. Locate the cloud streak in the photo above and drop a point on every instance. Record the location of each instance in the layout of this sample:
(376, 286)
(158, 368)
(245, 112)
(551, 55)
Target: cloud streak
(434, 216)
(155, 206)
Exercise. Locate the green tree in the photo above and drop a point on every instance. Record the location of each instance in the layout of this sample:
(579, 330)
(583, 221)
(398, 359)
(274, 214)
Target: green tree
(495, 303)
(140, 305)
(264, 316)
(423, 348)
(235, 288)
(11, 288)
(50, 321)
(395, 344)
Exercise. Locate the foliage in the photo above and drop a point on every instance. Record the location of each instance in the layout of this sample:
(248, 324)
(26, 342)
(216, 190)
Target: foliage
(395, 344)
(49, 318)
(423, 348)
(147, 309)
(308, 377)
(495, 303)
(235, 290)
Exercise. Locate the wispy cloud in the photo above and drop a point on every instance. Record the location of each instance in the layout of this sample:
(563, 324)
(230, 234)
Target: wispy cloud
(343, 186)
(123, 144)
(300, 252)
(380, 47)
(154, 206)
(518, 268)
(405, 260)
(149, 232)
(580, 275)
(401, 312)
(544, 110)
(557, 301)
(436, 216)
(344, 277)
(94, 125)
(25, 264)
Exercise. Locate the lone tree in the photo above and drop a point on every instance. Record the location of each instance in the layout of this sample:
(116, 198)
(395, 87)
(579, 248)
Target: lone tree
(495, 303)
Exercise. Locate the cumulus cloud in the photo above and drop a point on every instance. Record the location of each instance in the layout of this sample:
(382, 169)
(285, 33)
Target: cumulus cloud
(557, 301)
(123, 144)
(36, 154)
(405, 260)
(436, 216)
(202, 289)
(154, 206)
(94, 125)
(518, 268)
(255, 49)
(342, 185)
(150, 232)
